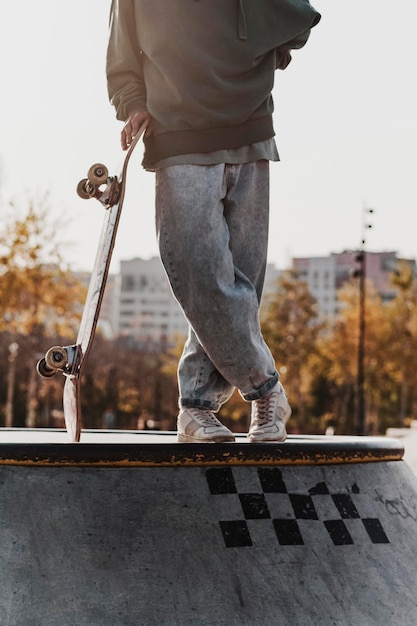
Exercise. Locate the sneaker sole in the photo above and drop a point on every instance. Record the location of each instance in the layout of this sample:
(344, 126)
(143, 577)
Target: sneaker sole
(281, 439)
(189, 439)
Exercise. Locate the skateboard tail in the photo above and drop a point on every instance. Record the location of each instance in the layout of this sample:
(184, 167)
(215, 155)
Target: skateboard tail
(72, 409)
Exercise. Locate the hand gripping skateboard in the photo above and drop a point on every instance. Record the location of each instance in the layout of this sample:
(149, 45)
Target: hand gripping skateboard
(69, 360)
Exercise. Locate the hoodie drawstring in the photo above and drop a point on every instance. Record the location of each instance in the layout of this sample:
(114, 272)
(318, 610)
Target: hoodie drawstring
(242, 26)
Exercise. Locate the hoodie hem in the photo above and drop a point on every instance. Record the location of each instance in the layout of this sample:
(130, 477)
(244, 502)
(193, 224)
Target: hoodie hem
(165, 145)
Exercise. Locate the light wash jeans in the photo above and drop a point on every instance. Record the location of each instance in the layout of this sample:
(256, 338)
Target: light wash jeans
(212, 227)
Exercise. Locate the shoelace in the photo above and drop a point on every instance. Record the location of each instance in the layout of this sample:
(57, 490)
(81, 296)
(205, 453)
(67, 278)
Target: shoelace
(207, 418)
(264, 410)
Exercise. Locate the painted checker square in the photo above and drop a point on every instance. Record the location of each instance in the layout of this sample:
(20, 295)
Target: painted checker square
(339, 508)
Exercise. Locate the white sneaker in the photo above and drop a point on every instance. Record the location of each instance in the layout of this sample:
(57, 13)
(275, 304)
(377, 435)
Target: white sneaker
(201, 426)
(269, 416)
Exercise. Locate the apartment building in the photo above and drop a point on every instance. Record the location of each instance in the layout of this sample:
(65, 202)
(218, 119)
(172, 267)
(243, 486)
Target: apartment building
(325, 275)
(146, 310)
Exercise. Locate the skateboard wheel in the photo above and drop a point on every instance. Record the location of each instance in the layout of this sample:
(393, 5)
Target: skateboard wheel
(43, 370)
(98, 174)
(56, 358)
(83, 189)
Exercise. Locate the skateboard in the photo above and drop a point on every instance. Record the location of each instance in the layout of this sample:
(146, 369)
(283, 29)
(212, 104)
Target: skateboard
(110, 192)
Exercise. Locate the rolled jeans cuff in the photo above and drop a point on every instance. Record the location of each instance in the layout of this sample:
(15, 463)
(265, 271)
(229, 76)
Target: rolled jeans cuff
(199, 404)
(262, 391)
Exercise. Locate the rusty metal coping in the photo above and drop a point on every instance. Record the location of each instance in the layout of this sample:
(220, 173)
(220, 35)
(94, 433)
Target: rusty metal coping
(50, 448)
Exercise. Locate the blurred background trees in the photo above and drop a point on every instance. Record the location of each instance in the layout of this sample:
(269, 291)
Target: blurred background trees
(41, 305)
(324, 359)
(39, 299)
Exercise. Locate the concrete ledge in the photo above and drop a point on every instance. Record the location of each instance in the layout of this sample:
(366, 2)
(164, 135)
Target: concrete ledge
(41, 447)
(133, 529)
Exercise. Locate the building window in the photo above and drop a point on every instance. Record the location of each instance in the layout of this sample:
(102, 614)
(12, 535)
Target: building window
(128, 283)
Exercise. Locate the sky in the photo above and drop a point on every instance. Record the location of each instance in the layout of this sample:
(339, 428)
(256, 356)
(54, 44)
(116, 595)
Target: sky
(345, 121)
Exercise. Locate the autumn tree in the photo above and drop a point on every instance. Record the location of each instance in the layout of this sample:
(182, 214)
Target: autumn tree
(401, 346)
(38, 293)
(390, 345)
(290, 324)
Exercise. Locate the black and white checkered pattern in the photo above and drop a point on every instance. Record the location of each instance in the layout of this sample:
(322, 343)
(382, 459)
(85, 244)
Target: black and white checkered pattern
(293, 508)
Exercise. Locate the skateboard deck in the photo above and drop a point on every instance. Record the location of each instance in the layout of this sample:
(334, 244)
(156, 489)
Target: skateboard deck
(70, 359)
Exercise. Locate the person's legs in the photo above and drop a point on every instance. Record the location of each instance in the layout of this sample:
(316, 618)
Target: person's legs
(199, 381)
(212, 225)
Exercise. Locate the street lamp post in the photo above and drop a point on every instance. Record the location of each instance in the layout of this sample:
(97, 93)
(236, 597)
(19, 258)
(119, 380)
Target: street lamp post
(361, 419)
(361, 259)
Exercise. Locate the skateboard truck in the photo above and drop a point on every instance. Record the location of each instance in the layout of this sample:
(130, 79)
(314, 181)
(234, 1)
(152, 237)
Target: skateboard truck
(91, 187)
(63, 359)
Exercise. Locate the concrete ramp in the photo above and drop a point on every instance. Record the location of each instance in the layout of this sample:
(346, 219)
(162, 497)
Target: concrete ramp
(132, 529)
